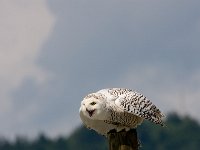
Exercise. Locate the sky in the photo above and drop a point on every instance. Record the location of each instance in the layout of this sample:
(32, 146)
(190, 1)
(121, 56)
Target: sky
(53, 53)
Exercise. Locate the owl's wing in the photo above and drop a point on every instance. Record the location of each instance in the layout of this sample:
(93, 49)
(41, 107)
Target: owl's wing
(137, 104)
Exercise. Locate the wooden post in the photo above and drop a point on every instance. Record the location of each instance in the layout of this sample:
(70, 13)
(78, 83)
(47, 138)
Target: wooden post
(123, 140)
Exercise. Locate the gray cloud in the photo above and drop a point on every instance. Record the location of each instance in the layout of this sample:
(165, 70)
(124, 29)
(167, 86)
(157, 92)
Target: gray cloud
(151, 46)
(23, 31)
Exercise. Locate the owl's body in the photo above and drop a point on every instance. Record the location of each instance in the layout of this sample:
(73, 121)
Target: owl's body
(118, 109)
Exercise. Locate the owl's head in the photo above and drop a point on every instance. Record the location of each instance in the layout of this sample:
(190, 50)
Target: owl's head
(93, 106)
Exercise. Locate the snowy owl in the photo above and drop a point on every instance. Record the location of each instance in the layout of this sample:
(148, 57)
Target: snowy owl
(117, 108)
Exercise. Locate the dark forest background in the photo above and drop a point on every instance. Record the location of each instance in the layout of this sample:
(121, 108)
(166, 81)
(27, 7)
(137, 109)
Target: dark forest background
(181, 133)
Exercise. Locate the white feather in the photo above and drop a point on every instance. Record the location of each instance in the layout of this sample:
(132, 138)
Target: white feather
(117, 108)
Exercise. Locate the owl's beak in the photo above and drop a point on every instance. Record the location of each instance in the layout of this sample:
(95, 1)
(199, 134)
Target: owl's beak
(90, 112)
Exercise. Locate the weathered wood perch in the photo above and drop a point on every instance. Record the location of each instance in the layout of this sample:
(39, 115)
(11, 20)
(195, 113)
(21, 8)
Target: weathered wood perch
(123, 140)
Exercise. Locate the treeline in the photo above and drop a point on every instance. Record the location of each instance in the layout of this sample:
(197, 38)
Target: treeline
(181, 133)
(41, 143)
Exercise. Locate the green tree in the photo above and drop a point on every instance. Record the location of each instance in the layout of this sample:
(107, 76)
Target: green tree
(42, 143)
(84, 139)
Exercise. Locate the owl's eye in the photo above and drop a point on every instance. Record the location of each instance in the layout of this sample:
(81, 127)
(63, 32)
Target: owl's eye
(93, 103)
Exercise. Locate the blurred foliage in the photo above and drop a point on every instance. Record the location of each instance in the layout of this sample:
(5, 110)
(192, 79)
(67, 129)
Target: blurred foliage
(84, 139)
(180, 133)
